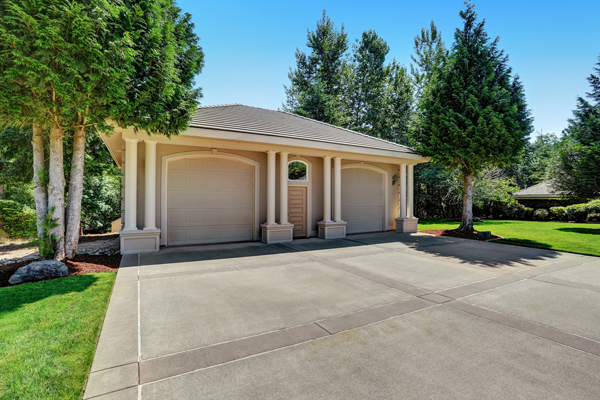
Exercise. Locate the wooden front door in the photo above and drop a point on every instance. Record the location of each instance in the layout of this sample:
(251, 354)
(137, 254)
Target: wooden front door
(297, 210)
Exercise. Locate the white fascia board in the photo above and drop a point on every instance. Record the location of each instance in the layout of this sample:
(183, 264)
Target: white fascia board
(113, 144)
(253, 142)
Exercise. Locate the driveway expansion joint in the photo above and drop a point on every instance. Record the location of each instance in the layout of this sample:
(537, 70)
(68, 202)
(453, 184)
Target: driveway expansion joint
(542, 331)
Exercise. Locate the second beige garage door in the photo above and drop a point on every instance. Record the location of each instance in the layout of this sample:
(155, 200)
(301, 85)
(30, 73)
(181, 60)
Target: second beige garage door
(362, 200)
(209, 201)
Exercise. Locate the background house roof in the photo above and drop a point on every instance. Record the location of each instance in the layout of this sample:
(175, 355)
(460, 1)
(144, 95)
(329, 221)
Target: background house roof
(540, 190)
(260, 121)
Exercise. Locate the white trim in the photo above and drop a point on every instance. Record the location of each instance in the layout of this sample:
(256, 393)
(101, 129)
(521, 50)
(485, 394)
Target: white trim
(385, 174)
(307, 183)
(206, 154)
(301, 161)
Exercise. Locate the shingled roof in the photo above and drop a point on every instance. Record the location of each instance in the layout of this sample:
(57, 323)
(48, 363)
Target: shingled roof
(540, 190)
(260, 121)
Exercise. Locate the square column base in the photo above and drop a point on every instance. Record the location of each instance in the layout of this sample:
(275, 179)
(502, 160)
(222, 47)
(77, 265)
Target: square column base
(407, 225)
(277, 233)
(140, 241)
(332, 229)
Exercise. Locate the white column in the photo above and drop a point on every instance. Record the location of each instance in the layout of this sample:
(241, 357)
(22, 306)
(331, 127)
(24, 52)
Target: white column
(327, 188)
(337, 185)
(402, 192)
(130, 184)
(271, 187)
(283, 187)
(150, 185)
(410, 192)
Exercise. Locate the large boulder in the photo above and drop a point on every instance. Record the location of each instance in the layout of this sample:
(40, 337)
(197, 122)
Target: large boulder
(39, 270)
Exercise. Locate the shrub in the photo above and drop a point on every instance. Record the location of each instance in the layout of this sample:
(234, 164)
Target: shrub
(593, 217)
(18, 221)
(541, 214)
(593, 207)
(577, 212)
(526, 213)
(558, 213)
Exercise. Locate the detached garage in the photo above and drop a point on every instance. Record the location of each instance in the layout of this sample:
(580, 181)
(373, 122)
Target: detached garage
(243, 173)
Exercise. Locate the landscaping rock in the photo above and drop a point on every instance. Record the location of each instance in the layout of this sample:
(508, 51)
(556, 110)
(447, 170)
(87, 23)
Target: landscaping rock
(485, 234)
(39, 270)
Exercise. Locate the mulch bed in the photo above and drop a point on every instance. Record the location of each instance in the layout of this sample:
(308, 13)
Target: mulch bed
(81, 264)
(458, 234)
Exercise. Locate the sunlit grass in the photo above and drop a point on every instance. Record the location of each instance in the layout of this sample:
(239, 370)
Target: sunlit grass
(562, 236)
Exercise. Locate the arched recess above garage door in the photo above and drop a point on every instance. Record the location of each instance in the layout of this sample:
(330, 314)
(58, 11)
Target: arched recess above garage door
(209, 197)
(364, 198)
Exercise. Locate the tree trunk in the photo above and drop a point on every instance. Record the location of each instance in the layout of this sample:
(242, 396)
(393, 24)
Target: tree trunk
(40, 192)
(56, 189)
(467, 214)
(75, 193)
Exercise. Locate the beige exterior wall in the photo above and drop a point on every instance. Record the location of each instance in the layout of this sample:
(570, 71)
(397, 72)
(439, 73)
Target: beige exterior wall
(315, 183)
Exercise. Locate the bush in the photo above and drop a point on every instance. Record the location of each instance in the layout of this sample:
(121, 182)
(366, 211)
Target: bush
(541, 214)
(577, 212)
(593, 217)
(558, 213)
(18, 221)
(526, 213)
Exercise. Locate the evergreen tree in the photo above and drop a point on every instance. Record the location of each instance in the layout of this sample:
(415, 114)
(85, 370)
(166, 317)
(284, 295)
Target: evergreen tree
(316, 85)
(473, 115)
(430, 55)
(576, 166)
(72, 67)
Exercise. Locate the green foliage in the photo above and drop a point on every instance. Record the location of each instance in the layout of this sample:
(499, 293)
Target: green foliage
(48, 242)
(18, 220)
(576, 165)
(297, 170)
(357, 91)
(101, 203)
(316, 85)
(16, 154)
(438, 193)
(492, 194)
(558, 213)
(541, 214)
(430, 55)
(533, 166)
(474, 115)
(593, 217)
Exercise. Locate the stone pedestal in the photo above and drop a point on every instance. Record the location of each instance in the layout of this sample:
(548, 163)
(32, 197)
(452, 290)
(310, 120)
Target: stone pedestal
(140, 241)
(277, 233)
(407, 225)
(332, 230)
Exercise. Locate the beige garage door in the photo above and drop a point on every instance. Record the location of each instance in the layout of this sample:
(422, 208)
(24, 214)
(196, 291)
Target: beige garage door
(362, 200)
(209, 201)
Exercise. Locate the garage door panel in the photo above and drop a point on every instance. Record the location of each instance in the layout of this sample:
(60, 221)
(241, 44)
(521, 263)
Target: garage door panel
(362, 200)
(210, 201)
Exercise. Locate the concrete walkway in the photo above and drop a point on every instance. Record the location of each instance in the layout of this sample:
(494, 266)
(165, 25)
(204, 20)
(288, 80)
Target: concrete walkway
(376, 316)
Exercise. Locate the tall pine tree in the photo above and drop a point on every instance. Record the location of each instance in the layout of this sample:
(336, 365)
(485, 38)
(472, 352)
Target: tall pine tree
(576, 166)
(474, 115)
(316, 85)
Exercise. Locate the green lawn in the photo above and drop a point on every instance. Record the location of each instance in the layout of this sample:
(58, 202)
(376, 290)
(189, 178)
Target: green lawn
(48, 335)
(563, 236)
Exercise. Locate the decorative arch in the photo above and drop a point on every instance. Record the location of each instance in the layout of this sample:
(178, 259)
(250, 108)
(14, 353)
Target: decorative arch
(166, 159)
(385, 177)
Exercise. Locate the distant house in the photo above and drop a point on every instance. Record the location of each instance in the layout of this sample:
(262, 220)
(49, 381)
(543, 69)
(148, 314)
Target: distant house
(538, 192)
(541, 196)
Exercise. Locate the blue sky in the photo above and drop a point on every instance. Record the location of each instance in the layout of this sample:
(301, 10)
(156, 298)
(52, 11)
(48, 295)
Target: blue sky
(249, 46)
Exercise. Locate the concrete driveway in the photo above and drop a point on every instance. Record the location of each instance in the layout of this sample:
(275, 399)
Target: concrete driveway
(386, 316)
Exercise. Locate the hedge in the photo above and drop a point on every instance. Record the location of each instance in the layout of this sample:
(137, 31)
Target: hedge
(18, 221)
(577, 212)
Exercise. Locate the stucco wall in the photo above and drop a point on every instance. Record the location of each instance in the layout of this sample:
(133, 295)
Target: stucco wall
(315, 183)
